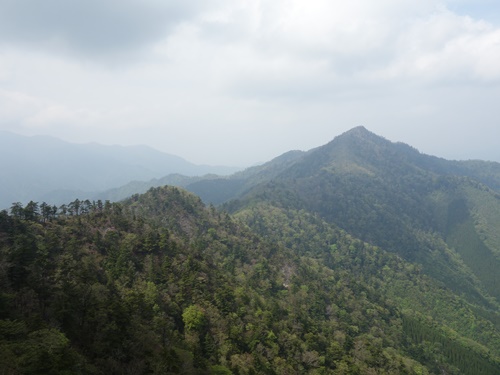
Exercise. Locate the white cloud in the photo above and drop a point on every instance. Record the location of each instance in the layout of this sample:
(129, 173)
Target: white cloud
(447, 47)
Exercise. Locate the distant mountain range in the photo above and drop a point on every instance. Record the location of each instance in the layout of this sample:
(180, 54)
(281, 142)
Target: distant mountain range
(47, 169)
(211, 188)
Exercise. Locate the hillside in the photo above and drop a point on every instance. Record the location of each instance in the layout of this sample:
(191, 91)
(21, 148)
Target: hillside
(391, 196)
(361, 256)
(438, 215)
(48, 169)
(162, 284)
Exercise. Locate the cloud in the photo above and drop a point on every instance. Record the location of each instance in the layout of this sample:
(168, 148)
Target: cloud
(319, 50)
(446, 47)
(92, 28)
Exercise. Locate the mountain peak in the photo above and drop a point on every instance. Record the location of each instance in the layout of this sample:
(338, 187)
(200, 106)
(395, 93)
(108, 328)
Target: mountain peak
(360, 129)
(359, 132)
(355, 138)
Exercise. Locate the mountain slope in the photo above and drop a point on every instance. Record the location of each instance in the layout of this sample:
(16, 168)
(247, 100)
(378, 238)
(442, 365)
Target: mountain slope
(161, 284)
(392, 196)
(366, 184)
(220, 189)
(361, 257)
(416, 295)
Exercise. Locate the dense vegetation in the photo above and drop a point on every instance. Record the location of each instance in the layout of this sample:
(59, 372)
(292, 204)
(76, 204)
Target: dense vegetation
(416, 296)
(331, 262)
(162, 284)
(393, 197)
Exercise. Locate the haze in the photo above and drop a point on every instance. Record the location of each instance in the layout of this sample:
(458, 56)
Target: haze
(236, 82)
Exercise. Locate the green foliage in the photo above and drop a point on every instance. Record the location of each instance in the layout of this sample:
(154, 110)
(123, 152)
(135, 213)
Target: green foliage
(220, 370)
(43, 351)
(193, 317)
(161, 284)
(459, 352)
(385, 275)
(391, 196)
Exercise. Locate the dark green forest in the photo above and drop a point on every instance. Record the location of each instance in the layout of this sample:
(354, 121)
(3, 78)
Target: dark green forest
(360, 257)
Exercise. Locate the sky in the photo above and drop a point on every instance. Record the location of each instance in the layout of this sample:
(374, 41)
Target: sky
(238, 82)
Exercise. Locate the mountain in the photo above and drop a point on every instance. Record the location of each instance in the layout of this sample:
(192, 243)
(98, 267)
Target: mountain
(390, 195)
(48, 169)
(439, 215)
(362, 256)
(346, 153)
(212, 188)
(162, 284)
(216, 189)
(366, 184)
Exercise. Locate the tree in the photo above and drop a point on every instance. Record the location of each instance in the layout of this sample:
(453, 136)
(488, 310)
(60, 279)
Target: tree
(193, 318)
(17, 210)
(31, 211)
(74, 207)
(47, 211)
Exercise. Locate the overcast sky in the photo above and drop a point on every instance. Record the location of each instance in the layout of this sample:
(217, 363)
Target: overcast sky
(236, 82)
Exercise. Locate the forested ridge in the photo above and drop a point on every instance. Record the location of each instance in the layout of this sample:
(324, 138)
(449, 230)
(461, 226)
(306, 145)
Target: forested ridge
(162, 284)
(441, 215)
(353, 258)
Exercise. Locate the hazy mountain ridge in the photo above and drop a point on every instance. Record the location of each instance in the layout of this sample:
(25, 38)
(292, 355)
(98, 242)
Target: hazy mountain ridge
(45, 168)
(220, 189)
(211, 188)
(352, 152)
